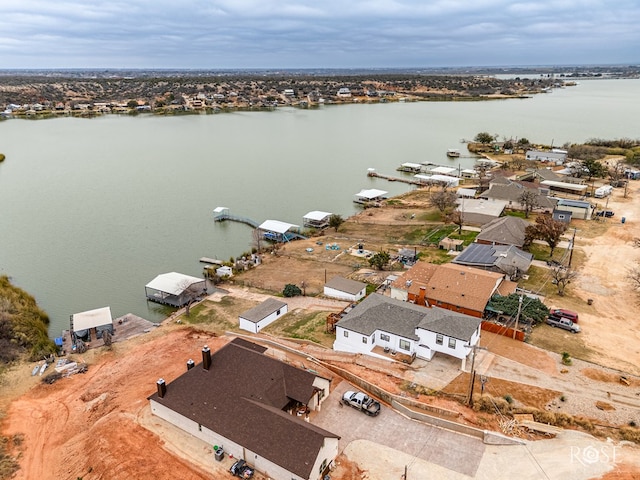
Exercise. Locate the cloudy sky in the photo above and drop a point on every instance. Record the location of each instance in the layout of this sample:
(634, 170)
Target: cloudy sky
(222, 34)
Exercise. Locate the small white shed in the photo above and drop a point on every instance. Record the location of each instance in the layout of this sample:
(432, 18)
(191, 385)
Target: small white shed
(224, 271)
(345, 289)
(258, 317)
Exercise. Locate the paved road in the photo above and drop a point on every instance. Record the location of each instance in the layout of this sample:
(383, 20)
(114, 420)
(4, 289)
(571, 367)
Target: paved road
(453, 451)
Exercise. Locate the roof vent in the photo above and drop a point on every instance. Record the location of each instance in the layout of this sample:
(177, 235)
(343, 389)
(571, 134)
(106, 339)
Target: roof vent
(190, 364)
(206, 358)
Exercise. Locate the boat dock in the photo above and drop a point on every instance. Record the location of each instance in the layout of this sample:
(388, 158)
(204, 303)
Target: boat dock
(222, 214)
(211, 261)
(410, 181)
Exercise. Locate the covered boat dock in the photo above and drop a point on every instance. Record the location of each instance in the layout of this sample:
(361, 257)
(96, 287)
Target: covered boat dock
(316, 219)
(278, 231)
(369, 197)
(175, 289)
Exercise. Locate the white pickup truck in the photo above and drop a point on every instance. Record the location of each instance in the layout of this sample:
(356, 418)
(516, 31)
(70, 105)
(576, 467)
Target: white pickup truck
(362, 402)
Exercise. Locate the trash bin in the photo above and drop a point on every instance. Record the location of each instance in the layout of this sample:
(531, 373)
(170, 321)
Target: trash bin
(219, 454)
(624, 219)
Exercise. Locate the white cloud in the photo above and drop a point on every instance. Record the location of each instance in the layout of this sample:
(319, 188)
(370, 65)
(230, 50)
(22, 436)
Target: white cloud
(306, 33)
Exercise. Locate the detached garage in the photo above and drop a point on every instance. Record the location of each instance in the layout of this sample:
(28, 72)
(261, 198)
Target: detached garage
(345, 289)
(267, 312)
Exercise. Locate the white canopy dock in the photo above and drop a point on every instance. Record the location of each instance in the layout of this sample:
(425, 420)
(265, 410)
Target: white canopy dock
(98, 320)
(316, 219)
(369, 196)
(278, 231)
(175, 289)
(438, 179)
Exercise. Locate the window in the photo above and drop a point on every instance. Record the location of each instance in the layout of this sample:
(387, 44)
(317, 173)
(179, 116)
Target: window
(439, 339)
(404, 344)
(323, 466)
(452, 343)
(278, 313)
(384, 337)
(364, 339)
(346, 333)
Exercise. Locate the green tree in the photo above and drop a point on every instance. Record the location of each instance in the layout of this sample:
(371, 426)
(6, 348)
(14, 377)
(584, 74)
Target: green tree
(335, 221)
(132, 104)
(592, 168)
(532, 308)
(2, 157)
(484, 137)
(380, 260)
(291, 290)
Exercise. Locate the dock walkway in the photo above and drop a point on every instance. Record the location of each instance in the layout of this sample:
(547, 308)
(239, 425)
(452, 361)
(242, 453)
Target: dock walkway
(234, 218)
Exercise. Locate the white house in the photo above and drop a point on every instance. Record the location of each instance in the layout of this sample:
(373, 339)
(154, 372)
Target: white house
(379, 325)
(224, 271)
(264, 314)
(249, 403)
(345, 289)
(556, 156)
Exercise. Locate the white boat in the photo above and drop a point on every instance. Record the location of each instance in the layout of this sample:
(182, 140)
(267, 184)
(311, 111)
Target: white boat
(35, 370)
(43, 368)
(453, 152)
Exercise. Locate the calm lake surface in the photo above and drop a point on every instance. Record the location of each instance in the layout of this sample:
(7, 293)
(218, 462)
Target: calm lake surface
(93, 209)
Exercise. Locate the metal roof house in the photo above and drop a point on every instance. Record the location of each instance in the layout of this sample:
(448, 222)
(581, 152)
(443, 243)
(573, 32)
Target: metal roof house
(175, 289)
(578, 208)
(256, 318)
(248, 402)
(380, 324)
(480, 211)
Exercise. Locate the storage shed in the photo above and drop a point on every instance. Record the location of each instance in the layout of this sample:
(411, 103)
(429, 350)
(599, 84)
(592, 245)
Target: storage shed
(345, 289)
(258, 317)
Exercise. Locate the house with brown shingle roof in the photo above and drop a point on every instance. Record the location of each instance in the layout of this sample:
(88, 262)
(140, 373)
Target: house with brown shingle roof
(506, 230)
(248, 403)
(458, 288)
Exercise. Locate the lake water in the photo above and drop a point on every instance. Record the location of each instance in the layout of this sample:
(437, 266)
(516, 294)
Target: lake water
(93, 209)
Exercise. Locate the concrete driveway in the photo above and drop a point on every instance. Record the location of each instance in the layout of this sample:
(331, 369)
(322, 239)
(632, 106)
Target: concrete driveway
(450, 450)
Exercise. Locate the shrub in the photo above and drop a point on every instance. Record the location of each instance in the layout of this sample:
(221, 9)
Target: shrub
(291, 290)
(566, 358)
(508, 398)
(630, 434)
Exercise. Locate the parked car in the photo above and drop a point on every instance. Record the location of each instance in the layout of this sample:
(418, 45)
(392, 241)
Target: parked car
(605, 213)
(570, 314)
(362, 402)
(241, 469)
(564, 323)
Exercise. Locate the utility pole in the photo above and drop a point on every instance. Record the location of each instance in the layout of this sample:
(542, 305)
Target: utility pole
(473, 373)
(517, 316)
(573, 239)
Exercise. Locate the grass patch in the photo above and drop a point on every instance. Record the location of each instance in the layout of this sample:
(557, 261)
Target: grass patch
(467, 236)
(217, 316)
(541, 252)
(303, 326)
(515, 213)
(437, 233)
(538, 281)
(562, 342)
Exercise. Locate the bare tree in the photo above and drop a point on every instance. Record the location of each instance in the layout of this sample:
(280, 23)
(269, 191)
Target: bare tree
(455, 217)
(547, 229)
(257, 239)
(562, 276)
(482, 170)
(529, 200)
(192, 292)
(443, 200)
(633, 275)
(616, 171)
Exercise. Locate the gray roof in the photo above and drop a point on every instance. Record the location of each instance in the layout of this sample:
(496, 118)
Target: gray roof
(260, 312)
(345, 285)
(512, 191)
(451, 324)
(377, 312)
(504, 258)
(506, 230)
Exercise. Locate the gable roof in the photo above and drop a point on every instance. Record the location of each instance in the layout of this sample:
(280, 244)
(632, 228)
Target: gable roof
(241, 397)
(503, 257)
(506, 230)
(380, 313)
(346, 285)
(512, 191)
(260, 312)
